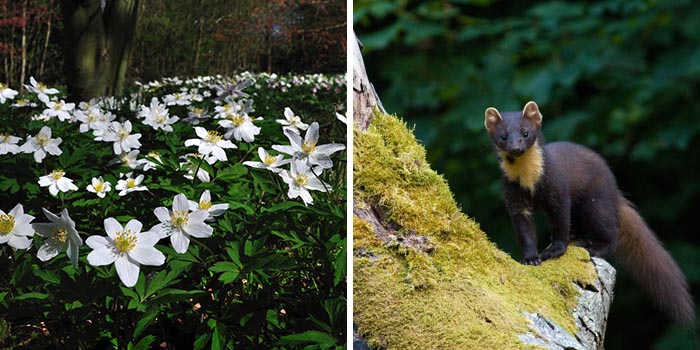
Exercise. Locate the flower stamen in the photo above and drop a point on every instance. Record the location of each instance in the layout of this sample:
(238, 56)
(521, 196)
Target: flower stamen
(59, 235)
(125, 241)
(7, 223)
(57, 174)
(308, 147)
(179, 218)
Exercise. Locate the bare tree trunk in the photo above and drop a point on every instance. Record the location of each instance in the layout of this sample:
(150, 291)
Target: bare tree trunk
(97, 46)
(198, 44)
(23, 67)
(46, 47)
(269, 50)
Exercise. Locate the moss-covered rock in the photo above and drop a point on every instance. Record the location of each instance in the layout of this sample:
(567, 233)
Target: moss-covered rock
(463, 293)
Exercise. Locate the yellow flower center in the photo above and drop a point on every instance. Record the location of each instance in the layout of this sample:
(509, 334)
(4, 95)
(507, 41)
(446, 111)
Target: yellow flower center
(100, 187)
(130, 183)
(308, 147)
(7, 223)
(2, 86)
(213, 137)
(198, 110)
(153, 154)
(160, 118)
(4, 138)
(42, 139)
(57, 174)
(59, 235)
(204, 204)
(236, 119)
(92, 116)
(302, 180)
(58, 106)
(295, 120)
(125, 241)
(269, 160)
(21, 102)
(179, 218)
(122, 133)
(42, 86)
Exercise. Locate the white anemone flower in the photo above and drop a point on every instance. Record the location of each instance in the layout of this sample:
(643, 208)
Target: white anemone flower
(268, 161)
(60, 235)
(181, 224)
(240, 127)
(41, 144)
(56, 181)
(292, 121)
(127, 247)
(99, 186)
(210, 143)
(300, 180)
(121, 135)
(205, 203)
(157, 116)
(308, 148)
(93, 119)
(39, 88)
(130, 184)
(15, 228)
(59, 109)
(6, 93)
(8, 144)
(178, 98)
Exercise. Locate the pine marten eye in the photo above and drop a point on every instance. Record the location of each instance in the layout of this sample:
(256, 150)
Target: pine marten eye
(504, 137)
(525, 133)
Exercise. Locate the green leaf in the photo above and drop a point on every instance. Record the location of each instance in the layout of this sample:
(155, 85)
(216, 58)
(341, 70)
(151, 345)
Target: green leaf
(144, 322)
(283, 206)
(144, 343)
(340, 266)
(313, 337)
(34, 295)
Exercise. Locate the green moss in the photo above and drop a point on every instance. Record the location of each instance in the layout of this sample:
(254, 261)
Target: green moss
(467, 293)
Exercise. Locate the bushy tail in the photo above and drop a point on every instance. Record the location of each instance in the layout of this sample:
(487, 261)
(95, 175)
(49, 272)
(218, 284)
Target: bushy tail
(652, 266)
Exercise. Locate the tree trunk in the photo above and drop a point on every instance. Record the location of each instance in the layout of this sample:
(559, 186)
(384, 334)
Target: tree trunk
(389, 254)
(46, 46)
(97, 46)
(23, 67)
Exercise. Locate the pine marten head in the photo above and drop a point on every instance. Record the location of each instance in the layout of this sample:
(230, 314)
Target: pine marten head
(514, 133)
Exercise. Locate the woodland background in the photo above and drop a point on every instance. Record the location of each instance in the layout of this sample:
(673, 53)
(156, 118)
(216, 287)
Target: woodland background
(621, 77)
(186, 38)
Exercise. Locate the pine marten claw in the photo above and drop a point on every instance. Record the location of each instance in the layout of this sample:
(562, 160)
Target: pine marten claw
(534, 261)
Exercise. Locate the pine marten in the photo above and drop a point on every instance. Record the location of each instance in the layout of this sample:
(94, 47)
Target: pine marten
(577, 190)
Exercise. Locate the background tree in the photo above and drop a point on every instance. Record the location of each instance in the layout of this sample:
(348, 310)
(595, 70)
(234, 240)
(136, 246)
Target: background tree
(26, 45)
(170, 38)
(98, 37)
(618, 77)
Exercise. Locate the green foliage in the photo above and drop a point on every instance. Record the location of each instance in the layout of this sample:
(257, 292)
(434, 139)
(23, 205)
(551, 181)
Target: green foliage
(271, 276)
(617, 76)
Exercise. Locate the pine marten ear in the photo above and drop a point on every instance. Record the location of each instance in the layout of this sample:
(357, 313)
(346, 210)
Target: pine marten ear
(532, 113)
(493, 118)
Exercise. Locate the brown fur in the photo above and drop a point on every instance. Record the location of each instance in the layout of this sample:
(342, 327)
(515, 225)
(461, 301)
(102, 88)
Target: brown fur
(651, 265)
(577, 190)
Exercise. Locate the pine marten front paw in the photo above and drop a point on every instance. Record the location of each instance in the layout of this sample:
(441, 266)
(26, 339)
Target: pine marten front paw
(554, 250)
(531, 260)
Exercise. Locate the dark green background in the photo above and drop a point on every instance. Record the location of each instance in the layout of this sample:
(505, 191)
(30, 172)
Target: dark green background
(621, 77)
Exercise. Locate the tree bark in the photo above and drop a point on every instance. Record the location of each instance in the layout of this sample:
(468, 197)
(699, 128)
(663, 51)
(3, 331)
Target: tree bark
(97, 46)
(593, 301)
(23, 66)
(46, 46)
